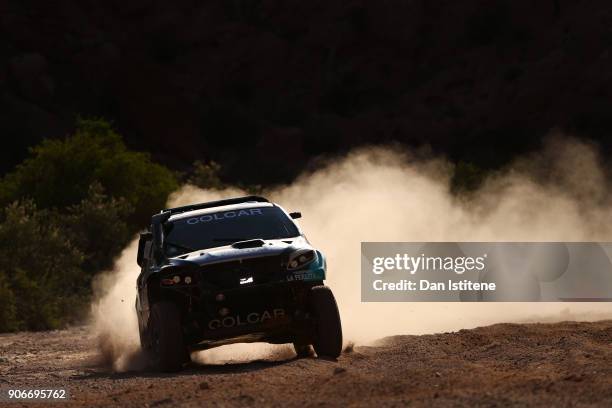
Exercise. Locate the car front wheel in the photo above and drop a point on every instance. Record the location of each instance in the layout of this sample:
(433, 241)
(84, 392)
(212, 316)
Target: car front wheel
(166, 348)
(328, 328)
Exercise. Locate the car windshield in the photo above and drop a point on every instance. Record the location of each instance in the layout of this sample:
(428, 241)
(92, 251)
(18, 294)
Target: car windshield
(226, 227)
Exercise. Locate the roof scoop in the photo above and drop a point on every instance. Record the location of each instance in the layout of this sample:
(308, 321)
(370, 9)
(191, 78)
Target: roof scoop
(251, 243)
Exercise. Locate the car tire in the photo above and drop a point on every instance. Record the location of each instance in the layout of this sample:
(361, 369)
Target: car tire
(302, 350)
(328, 328)
(166, 348)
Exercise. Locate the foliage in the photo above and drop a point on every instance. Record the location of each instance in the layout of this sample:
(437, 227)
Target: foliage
(97, 227)
(59, 172)
(65, 213)
(8, 312)
(39, 267)
(206, 175)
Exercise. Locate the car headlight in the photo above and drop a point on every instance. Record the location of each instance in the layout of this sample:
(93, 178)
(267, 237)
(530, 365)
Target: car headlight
(300, 258)
(174, 279)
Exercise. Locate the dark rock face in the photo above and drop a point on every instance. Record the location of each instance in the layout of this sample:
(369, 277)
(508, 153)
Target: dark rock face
(264, 86)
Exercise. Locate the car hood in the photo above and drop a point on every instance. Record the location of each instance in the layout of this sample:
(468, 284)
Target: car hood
(226, 253)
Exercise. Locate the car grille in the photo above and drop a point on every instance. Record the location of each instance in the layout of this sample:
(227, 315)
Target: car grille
(227, 275)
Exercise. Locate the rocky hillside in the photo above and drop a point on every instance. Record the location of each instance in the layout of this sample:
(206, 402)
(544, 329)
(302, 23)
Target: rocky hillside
(280, 82)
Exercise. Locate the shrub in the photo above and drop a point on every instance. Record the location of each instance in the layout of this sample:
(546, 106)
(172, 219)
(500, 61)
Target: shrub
(40, 267)
(59, 172)
(206, 175)
(8, 310)
(97, 227)
(67, 211)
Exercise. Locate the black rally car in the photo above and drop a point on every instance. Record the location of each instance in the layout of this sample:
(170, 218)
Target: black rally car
(231, 271)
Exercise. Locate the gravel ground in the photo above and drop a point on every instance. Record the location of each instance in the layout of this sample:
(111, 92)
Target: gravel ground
(563, 364)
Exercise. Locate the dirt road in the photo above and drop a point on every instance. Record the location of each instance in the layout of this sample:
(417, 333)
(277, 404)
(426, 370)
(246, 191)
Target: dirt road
(565, 364)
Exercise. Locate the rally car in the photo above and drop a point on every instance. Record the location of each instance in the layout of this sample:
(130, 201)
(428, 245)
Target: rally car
(231, 271)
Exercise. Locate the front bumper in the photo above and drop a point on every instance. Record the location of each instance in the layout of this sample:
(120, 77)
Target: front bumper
(274, 312)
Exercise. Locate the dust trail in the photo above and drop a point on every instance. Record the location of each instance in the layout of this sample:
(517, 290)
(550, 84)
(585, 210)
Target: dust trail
(244, 353)
(113, 313)
(379, 194)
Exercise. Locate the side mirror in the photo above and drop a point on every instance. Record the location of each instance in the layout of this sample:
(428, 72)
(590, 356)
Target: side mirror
(144, 238)
(158, 234)
(295, 215)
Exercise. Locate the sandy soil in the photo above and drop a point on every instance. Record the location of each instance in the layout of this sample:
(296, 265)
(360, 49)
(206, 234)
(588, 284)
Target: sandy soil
(565, 364)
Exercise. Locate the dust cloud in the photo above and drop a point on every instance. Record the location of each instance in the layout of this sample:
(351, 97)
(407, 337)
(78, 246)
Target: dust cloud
(113, 314)
(381, 194)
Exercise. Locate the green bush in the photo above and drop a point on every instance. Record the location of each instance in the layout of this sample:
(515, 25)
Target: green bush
(205, 175)
(48, 258)
(8, 309)
(97, 227)
(59, 173)
(40, 267)
(67, 211)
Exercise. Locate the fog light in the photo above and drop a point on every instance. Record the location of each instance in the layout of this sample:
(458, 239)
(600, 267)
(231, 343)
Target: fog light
(188, 279)
(220, 297)
(224, 311)
(176, 279)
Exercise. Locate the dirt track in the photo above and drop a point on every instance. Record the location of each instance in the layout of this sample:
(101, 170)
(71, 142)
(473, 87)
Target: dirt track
(565, 364)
